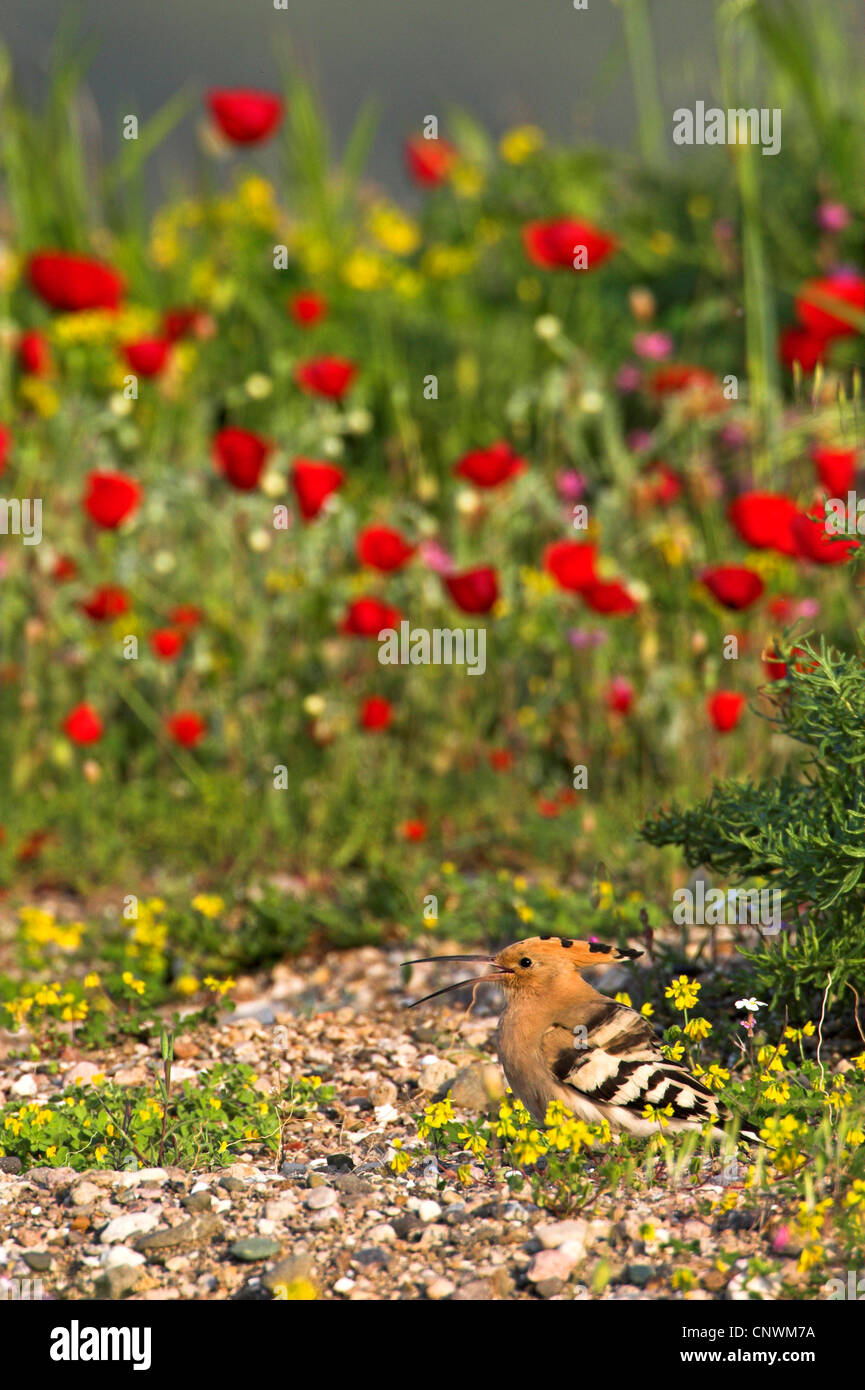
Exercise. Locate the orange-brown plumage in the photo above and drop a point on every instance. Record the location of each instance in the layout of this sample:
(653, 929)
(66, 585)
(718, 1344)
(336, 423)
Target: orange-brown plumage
(559, 1039)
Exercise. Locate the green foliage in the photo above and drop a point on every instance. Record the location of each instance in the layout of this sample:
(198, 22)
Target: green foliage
(803, 830)
(202, 1125)
(497, 908)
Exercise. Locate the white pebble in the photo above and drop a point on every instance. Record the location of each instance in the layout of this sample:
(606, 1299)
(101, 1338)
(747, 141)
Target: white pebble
(118, 1255)
(133, 1223)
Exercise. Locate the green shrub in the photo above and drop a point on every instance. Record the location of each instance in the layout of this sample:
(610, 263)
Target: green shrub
(803, 831)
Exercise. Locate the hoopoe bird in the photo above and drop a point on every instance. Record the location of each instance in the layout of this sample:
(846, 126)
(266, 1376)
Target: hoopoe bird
(560, 1040)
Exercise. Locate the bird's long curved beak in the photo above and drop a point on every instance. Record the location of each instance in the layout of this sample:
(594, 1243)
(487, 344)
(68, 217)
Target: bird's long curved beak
(478, 979)
(423, 960)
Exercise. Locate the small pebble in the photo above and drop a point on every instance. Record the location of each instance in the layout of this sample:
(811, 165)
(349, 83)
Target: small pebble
(133, 1223)
(440, 1288)
(320, 1197)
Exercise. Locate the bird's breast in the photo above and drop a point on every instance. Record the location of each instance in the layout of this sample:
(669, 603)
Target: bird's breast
(523, 1065)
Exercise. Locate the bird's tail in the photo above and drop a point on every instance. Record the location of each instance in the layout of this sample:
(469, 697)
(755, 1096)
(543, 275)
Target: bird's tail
(749, 1134)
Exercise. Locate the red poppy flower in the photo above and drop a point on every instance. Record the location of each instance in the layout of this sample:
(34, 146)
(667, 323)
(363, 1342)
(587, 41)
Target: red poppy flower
(106, 603)
(148, 356)
(814, 543)
(500, 759)
(188, 322)
(776, 666)
(307, 308)
(679, 376)
(846, 289)
(802, 346)
(33, 846)
(167, 643)
(554, 245)
(375, 713)
(803, 666)
(413, 830)
(776, 669)
(725, 709)
(836, 469)
(429, 161)
(64, 568)
(72, 283)
(245, 117)
(609, 597)
(382, 548)
(619, 695)
(664, 484)
(34, 354)
(110, 497)
(474, 591)
(548, 808)
(734, 586)
(313, 483)
(5, 447)
(781, 607)
(186, 728)
(240, 456)
(83, 725)
(490, 467)
(186, 615)
(367, 617)
(763, 520)
(572, 564)
(326, 376)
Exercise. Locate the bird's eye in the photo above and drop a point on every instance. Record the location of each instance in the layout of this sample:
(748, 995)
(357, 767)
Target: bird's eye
(525, 962)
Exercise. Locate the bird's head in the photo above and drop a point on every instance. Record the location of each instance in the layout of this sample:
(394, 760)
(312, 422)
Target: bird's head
(541, 963)
(538, 965)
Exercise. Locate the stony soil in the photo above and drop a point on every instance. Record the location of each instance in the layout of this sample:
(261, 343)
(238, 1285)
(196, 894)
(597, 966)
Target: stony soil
(334, 1218)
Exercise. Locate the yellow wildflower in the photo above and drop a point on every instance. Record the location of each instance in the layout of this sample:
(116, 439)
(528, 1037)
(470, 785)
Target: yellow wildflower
(447, 262)
(683, 992)
(697, 1029)
(467, 179)
(39, 394)
(393, 230)
(520, 143)
(209, 904)
(400, 1159)
(364, 270)
(219, 987)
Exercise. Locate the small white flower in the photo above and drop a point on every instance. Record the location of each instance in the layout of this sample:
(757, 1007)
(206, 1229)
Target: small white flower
(468, 502)
(548, 327)
(120, 405)
(258, 386)
(273, 484)
(752, 1004)
(259, 539)
(591, 402)
(359, 421)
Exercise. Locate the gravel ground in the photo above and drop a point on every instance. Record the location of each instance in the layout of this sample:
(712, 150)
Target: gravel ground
(334, 1221)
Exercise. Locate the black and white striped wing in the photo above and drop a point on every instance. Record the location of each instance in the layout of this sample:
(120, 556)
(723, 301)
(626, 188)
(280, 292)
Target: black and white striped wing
(614, 1061)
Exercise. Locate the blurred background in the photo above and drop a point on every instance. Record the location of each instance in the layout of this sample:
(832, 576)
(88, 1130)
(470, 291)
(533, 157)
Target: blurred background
(504, 61)
(300, 385)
